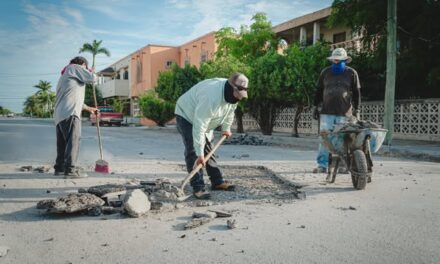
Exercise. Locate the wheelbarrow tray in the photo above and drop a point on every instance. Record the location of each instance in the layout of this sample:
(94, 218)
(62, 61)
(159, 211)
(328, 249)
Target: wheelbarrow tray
(335, 141)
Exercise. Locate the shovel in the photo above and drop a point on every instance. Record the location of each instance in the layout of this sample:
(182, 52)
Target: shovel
(196, 169)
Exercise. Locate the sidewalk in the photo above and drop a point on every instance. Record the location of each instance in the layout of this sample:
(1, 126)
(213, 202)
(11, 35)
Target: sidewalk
(412, 149)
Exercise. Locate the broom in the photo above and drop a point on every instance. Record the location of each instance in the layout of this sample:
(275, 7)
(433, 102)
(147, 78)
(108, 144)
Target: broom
(101, 165)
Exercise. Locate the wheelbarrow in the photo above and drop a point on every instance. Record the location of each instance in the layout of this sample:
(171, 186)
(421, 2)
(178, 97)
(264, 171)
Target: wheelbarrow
(354, 146)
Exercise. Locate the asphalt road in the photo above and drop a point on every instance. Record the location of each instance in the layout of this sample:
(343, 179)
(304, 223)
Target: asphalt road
(395, 220)
(34, 140)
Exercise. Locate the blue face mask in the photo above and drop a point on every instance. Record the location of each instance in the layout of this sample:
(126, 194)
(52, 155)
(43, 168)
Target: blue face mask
(338, 68)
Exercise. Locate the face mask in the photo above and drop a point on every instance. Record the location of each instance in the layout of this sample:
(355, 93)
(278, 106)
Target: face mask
(338, 68)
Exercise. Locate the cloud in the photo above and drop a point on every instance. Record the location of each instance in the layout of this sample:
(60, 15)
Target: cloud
(75, 14)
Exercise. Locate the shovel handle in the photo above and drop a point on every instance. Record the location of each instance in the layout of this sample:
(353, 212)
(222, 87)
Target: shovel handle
(198, 167)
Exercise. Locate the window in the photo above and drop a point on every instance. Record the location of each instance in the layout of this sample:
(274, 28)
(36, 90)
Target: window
(204, 56)
(186, 61)
(126, 75)
(168, 64)
(339, 37)
(138, 71)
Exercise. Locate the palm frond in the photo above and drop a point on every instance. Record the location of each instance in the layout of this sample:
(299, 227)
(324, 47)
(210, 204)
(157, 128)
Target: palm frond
(103, 51)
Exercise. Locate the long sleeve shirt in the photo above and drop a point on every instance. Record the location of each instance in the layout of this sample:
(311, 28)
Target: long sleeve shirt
(338, 93)
(205, 107)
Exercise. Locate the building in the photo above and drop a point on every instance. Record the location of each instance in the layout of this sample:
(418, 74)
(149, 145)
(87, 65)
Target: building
(310, 28)
(114, 82)
(147, 62)
(137, 73)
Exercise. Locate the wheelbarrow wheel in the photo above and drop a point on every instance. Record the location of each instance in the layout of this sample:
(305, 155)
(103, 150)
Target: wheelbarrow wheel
(359, 174)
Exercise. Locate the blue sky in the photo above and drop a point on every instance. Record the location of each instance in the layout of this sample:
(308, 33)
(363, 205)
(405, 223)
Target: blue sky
(39, 37)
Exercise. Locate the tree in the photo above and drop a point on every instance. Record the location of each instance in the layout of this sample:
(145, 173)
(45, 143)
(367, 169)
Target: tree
(4, 111)
(302, 69)
(156, 109)
(268, 94)
(33, 107)
(95, 49)
(418, 57)
(246, 47)
(172, 84)
(45, 96)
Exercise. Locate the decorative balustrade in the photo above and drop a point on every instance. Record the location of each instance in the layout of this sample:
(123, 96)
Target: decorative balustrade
(413, 119)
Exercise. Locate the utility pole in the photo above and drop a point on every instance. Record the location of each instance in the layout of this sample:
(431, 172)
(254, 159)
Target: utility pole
(388, 119)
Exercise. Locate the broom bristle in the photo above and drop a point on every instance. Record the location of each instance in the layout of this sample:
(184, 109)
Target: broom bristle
(102, 166)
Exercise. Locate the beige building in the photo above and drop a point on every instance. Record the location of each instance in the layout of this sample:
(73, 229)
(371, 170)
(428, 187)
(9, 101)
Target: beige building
(310, 28)
(114, 81)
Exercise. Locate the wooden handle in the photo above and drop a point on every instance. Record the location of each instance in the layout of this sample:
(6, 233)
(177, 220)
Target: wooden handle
(97, 122)
(198, 167)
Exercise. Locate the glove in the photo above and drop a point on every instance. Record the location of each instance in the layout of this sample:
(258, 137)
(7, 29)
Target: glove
(316, 113)
(356, 114)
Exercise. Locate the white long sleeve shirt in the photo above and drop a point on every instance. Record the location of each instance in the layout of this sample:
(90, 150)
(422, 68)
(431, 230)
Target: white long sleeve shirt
(205, 107)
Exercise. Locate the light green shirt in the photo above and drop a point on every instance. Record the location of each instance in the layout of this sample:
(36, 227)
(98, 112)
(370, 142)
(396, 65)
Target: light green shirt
(204, 106)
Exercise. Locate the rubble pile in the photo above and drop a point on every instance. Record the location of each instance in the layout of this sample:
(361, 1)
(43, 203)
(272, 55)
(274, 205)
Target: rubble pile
(355, 125)
(245, 139)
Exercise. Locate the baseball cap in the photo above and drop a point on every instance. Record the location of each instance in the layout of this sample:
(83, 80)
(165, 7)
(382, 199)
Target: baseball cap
(240, 82)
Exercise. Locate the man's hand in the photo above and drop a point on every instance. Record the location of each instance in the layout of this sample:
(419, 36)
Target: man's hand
(356, 114)
(316, 113)
(200, 160)
(228, 134)
(92, 110)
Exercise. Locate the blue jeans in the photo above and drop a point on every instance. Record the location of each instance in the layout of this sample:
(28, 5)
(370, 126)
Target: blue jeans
(215, 175)
(327, 123)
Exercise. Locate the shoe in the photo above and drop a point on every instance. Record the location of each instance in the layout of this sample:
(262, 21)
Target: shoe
(74, 173)
(225, 186)
(319, 170)
(58, 173)
(202, 195)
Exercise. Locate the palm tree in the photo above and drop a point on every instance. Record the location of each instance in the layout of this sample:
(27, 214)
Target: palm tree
(32, 106)
(45, 95)
(95, 49)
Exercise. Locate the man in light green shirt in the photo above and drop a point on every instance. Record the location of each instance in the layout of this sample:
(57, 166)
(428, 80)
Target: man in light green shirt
(207, 105)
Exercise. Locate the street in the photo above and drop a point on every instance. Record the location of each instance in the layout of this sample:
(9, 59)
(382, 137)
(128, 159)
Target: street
(396, 219)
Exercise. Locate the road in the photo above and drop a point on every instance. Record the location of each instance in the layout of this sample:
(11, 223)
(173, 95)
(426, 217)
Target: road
(395, 220)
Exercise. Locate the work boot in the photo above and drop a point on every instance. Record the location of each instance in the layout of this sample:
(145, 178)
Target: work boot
(202, 195)
(72, 173)
(58, 172)
(225, 186)
(319, 170)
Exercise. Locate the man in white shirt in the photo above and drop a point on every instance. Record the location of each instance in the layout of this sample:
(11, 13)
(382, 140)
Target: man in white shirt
(207, 105)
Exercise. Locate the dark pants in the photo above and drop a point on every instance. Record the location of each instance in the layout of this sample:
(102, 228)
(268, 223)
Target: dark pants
(68, 139)
(215, 175)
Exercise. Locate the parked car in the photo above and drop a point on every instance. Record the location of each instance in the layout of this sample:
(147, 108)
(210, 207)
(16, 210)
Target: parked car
(10, 115)
(107, 116)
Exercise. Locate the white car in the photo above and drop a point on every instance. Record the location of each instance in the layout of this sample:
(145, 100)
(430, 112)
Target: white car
(10, 115)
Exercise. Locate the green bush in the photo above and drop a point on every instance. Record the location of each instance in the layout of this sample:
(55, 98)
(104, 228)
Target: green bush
(156, 109)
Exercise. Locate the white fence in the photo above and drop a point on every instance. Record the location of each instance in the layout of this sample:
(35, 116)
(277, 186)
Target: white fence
(413, 119)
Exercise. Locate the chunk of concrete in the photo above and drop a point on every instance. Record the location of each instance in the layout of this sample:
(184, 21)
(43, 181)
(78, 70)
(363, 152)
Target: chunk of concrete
(101, 190)
(197, 222)
(3, 251)
(136, 203)
(71, 203)
(204, 214)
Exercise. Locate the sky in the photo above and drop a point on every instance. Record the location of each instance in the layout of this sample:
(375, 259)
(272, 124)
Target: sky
(39, 37)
